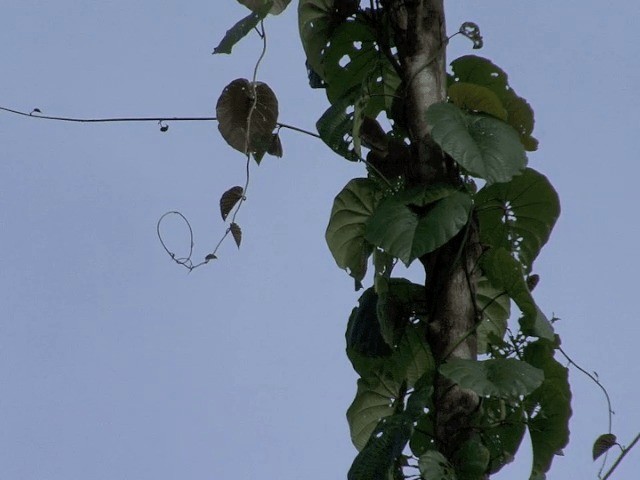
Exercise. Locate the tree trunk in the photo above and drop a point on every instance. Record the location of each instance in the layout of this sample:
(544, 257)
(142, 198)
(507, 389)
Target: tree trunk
(420, 37)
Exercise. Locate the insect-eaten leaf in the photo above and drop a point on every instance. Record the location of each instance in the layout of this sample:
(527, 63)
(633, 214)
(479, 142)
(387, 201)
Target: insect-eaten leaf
(236, 232)
(243, 27)
(472, 32)
(603, 443)
(247, 115)
(229, 200)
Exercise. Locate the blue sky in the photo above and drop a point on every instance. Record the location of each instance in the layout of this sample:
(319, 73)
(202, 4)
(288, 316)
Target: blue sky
(117, 364)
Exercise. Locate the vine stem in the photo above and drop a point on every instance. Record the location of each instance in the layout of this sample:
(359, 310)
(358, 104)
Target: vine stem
(622, 455)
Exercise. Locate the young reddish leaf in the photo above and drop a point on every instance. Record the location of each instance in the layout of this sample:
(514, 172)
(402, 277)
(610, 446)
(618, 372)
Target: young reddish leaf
(236, 232)
(603, 443)
(229, 200)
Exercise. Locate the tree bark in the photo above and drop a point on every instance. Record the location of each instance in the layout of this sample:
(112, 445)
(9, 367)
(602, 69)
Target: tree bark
(420, 37)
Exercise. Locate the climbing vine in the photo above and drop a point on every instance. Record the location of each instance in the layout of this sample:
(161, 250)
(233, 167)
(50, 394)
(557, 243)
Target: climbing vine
(460, 199)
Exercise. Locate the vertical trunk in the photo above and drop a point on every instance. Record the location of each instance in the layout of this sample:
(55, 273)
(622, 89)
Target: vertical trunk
(420, 37)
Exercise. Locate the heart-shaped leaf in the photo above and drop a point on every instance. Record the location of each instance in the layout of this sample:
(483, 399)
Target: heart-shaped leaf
(603, 443)
(484, 146)
(247, 115)
(400, 228)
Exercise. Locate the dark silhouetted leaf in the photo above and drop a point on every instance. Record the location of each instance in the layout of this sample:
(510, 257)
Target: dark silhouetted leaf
(245, 106)
(229, 200)
(164, 128)
(603, 443)
(236, 232)
(275, 147)
(242, 28)
(209, 257)
(256, 5)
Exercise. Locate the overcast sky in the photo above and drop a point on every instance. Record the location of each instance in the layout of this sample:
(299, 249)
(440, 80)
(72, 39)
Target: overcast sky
(115, 363)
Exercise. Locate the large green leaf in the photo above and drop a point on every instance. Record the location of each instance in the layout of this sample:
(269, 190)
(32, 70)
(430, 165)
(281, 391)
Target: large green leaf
(277, 6)
(501, 377)
(375, 460)
(242, 28)
(505, 272)
(335, 128)
(482, 72)
(484, 146)
(352, 208)
(315, 21)
(373, 402)
(548, 408)
(495, 306)
(363, 330)
(434, 466)
(518, 215)
(403, 229)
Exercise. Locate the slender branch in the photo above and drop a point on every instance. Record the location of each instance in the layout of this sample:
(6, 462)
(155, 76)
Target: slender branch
(622, 455)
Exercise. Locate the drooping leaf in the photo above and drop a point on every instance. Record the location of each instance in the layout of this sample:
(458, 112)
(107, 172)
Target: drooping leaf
(276, 8)
(518, 215)
(482, 72)
(247, 115)
(243, 27)
(505, 272)
(402, 230)
(501, 377)
(236, 233)
(315, 21)
(548, 408)
(229, 200)
(385, 445)
(476, 98)
(352, 208)
(603, 443)
(495, 306)
(363, 330)
(434, 466)
(484, 146)
(275, 147)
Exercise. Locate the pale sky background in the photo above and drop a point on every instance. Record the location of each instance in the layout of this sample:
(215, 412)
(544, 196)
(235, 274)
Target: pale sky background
(115, 364)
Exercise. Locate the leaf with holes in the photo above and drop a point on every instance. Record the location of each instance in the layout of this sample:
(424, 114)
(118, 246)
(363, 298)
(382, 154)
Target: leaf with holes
(482, 72)
(518, 215)
(354, 67)
(548, 408)
(247, 115)
(315, 21)
(495, 306)
(352, 208)
(500, 377)
(603, 443)
(236, 233)
(275, 6)
(484, 146)
(405, 230)
(505, 273)
(476, 99)
(242, 28)
(335, 127)
(229, 200)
